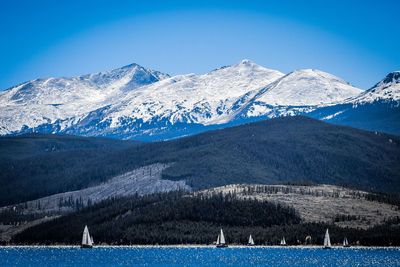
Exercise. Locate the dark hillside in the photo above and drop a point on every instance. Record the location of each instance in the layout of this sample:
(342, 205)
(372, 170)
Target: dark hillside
(381, 115)
(265, 152)
(29, 145)
(36, 165)
(281, 150)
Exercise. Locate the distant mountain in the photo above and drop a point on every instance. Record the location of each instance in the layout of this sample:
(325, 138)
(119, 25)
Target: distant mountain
(386, 90)
(163, 109)
(141, 104)
(25, 107)
(298, 92)
(266, 152)
(377, 109)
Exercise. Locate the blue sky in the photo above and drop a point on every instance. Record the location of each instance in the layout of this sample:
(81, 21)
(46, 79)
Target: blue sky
(355, 40)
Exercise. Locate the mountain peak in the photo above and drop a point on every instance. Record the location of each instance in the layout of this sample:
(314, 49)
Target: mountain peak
(248, 66)
(55, 99)
(391, 82)
(393, 77)
(386, 90)
(246, 62)
(136, 70)
(132, 65)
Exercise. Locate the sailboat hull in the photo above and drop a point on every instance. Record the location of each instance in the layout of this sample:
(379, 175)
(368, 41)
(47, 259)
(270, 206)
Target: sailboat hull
(326, 247)
(222, 246)
(86, 246)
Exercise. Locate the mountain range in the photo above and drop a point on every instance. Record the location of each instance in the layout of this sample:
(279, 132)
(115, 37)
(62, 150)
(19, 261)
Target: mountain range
(141, 104)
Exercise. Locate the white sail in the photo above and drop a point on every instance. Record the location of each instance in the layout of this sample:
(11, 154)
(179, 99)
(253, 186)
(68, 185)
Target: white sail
(251, 241)
(85, 235)
(327, 240)
(218, 240)
(222, 238)
(345, 242)
(86, 239)
(283, 241)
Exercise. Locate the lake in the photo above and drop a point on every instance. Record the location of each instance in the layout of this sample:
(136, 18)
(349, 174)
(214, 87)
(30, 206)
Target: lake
(197, 255)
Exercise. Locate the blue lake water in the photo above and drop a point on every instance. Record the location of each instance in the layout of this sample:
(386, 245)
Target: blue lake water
(198, 256)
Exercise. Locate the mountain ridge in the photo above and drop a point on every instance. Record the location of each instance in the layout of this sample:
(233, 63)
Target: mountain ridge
(388, 89)
(133, 102)
(376, 109)
(46, 100)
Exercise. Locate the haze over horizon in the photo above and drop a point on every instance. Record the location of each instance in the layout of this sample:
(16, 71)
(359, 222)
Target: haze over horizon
(53, 39)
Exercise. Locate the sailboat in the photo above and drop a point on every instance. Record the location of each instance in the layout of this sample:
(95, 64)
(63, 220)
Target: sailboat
(221, 240)
(283, 242)
(345, 243)
(327, 240)
(87, 240)
(251, 241)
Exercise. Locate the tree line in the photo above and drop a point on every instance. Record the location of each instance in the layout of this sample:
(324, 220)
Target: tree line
(176, 218)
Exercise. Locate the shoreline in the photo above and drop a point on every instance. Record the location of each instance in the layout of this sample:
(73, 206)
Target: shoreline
(200, 246)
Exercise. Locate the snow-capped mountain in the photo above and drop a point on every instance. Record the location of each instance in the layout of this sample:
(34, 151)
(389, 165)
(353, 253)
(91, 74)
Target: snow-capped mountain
(300, 91)
(376, 109)
(307, 87)
(205, 99)
(386, 90)
(137, 103)
(44, 101)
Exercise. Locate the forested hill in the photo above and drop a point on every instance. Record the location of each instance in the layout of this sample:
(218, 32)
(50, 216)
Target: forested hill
(37, 165)
(30, 145)
(265, 152)
(166, 218)
(281, 150)
(178, 218)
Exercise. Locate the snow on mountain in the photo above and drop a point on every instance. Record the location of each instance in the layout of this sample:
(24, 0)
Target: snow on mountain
(307, 88)
(46, 100)
(300, 91)
(229, 95)
(386, 90)
(205, 99)
(134, 102)
(377, 109)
